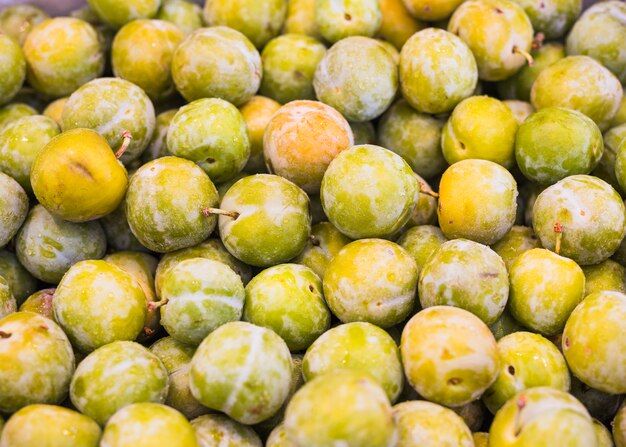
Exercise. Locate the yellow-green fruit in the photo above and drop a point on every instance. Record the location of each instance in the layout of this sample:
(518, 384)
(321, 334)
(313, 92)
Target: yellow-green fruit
(13, 208)
(497, 32)
(517, 241)
(14, 111)
(50, 426)
(117, 13)
(40, 302)
(620, 164)
(607, 275)
(520, 109)
(279, 438)
(186, 15)
(481, 439)
(371, 280)
(17, 20)
(142, 54)
(432, 10)
(213, 428)
(21, 282)
(542, 417)
(619, 427)
(449, 355)
(77, 177)
(13, 68)
(257, 113)
(300, 18)
(73, 55)
(359, 414)
(483, 128)
(363, 132)
(158, 143)
(603, 435)
(8, 305)
(425, 424)
(397, 25)
(336, 20)
(594, 343)
(552, 18)
(477, 201)
(323, 245)
(54, 110)
(620, 116)
(258, 20)
(545, 289)
(421, 242)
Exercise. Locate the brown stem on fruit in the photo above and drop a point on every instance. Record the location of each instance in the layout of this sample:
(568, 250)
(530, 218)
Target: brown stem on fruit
(154, 305)
(314, 241)
(558, 229)
(428, 192)
(126, 139)
(524, 53)
(538, 41)
(44, 327)
(148, 331)
(5, 334)
(209, 211)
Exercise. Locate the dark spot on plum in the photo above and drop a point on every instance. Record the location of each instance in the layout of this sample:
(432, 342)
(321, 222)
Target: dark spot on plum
(81, 169)
(489, 275)
(299, 75)
(347, 16)
(462, 145)
(5, 334)
(210, 160)
(454, 381)
(499, 11)
(566, 342)
(311, 288)
(427, 8)
(582, 212)
(450, 221)
(542, 5)
(511, 370)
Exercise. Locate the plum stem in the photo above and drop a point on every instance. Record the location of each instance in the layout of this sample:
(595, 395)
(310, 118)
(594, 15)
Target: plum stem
(148, 331)
(558, 229)
(538, 41)
(208, 211)
(5, 334)
(524, 53)
(314, 241)
(126, 139)
(153, 305)
(427, 191)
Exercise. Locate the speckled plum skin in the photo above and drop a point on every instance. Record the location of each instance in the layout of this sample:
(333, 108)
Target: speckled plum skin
(40, 302)
(117, 13)
(14, 111)
(257, 112)
(542, 417)
(593, 341)
(186, 15)
(468, 275)
(619, 427)
(210, 427)
(21, 282)
(242, 370)
(165, 202)
(8, 305)
(13, 68)
(359, 414)
(13, 208)
(273, 221)
(368, 191)
(212, 133)
(425, 424)
(217, 62)
(591, 214)
(363, 89)
(449, 355)
(74, 56)
(323, 245)
(336, 20)
(17, 20)
(63, 427)
(553, 18)
(37, 360)
(437, 71)
(517, 241)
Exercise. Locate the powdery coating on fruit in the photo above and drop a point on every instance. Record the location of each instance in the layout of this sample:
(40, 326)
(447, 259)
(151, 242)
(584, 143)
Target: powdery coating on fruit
(323, 245)
(217, 62)
(542, 417)
(39, 302)
(579, 83)
(187, 16)
(257, 113)
(8, 304)
(117, 13)
(555, 143)
(492, 29)
(414, 136)
(364, 132)
(273, 221)
(13, 207)
(48, 246)
(13, 68)
(607, 275)
(21, 282)
(37, 360)
(49, 425)
(340, 19)
(360, 347)
(606, 169)
(14, 111)
(371, 280)
(553, 18)
(213, 427)
(242, 370)
(477, 201)
(111, 106)
(148, 424)
(363, 89)
(301, 140)
(172, 353)
(603, 435)
(468, 275)
(517, 241)
(591, 214)
(179, 395)
(609, 19)
(526, 361)
(97, 303)
(437, 71)
(620, 116)
(480, 127)
(164, 204)
(421, 242)
(142, 53)
(368, 191)
(425, 424)
(278, 437)
(432, 10)
(62, 54)
(449, 355)
(520, 109)
(594, 343)
(620, 162)
(300, 19)
(118, 233)
(17, 20)
(425, 212)
(20, 142)
(397, 25)
(116, 375)
(619, 427)
(289, 63)
(202, 295)
(210, 249)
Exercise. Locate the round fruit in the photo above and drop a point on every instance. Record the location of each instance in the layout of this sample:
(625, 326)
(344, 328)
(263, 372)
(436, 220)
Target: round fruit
(552, 18)
(40, 303)
(212, 427)
(13, 208)
(517, 241)
(300, 18)
(257, 112)
(619, 427)
(14, 111)
(421, 242)
(336, 20)
(186, 15)
(157, 147)
(17, 20)
(607, 275)
(20, 280)
(431, 10)
(397, 25)
(8, 305)
(325, 241)
(116, 13)
(13, 68)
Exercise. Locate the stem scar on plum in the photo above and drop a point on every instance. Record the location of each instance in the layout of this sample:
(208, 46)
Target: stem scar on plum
(424, 190)
(126, 139)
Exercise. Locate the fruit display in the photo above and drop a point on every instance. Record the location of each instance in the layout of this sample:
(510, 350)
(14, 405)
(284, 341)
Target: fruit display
(313, 223)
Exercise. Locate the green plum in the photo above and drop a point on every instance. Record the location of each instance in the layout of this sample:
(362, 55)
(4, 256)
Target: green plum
(172, 353)
(552, 18)
(269, 221)
(398, 25)
(37, 361)
(619, 427)
(117, 13)
(481, 439)
(14, 111)
(368, 191)
(579, 83)
(468, 275)
(603, 435)
(336, 20)
(620, 116)
(431, 10)
(437, 71)
(257, 112)
(217, 62)
(186, 15)
(40, 302)
(607, 275)
(421, 242)
(157, 147)
(588, 214)
(17, 20)
(20, 280)
(505, 325)
(278, 437)
(212, 427)
(363, 89)
(545, 289)
(242, 370)
(13, 68)
(118, 233)
(300, 19)
(364, 132)
(8, 305)
(73, 56)
(212, 133)
(13, 208)
(414, 136)
(517, 241)
(607, 167)
(620, 164)
(323, 245)
(520, 109)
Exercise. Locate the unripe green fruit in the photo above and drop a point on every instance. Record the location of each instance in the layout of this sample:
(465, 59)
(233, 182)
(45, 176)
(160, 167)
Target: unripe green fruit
(607, 275)
(157, 147)
(8, 304)
(552, 18)
(421, 242)
(21, 282)
(517, 241)
(14, 111)
(212, 427)
(323, 245)
(117, 13)
(13, 208)
(40, 303)
(13, 68)
(17, 20)
(520, 109)
(186, 15)
(619, 427)
(336, 20)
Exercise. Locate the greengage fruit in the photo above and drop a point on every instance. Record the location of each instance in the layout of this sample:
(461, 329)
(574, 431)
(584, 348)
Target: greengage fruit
(325, 241)
(336, 20)
(257, 113)
(17, 20)
(13, 208)
(117, 13)
(13, 68)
